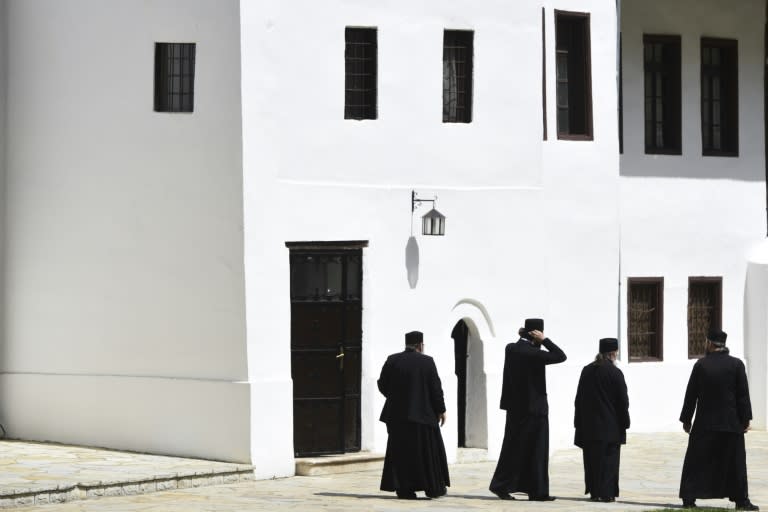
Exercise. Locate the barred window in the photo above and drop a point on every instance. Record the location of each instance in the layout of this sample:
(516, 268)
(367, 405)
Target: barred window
(174, 77)
(457, 76)
(661, 56)
(719, 97)
(645, 308)
(705, 302)
(360, 73)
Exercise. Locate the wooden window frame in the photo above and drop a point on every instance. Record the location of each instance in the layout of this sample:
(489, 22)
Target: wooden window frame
(586, 70)
(659, 282)
(718, 309)
(544, 72)
(674, 70)
(174, 84)
(457, 39)
(369, 109)
(729, 81)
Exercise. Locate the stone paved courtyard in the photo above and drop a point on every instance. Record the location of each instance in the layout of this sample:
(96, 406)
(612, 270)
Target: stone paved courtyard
(650, 475)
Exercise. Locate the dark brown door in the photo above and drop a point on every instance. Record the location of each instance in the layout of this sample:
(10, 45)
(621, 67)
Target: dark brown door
(326, 336)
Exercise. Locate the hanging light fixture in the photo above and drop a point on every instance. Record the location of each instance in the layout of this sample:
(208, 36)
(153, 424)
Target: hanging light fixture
(433, 222)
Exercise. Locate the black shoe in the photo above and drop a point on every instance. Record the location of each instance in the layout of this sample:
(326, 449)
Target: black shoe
(503, 495)
(437, 494)
(406, 495)
(746, 505)
(545, 497)
(689, 504)
(594, 498)
(606, 500)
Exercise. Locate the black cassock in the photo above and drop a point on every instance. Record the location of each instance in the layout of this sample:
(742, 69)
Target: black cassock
(524, 459)
(715, 463)
(415, 458)
(601, 420)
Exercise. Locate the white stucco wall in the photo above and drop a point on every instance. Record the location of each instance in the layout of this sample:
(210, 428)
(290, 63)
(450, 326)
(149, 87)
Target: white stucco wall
(756, 332)
(125, 301)
(532, 226)
(689, 215)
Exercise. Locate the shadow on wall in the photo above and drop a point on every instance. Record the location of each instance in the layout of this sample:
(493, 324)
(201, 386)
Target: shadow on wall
(649, 167)
(412, 262)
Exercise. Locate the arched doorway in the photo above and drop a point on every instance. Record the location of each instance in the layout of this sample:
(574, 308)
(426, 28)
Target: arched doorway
(471, 397)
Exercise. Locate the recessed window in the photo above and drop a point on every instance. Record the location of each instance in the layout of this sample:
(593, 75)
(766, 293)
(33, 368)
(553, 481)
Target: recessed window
(705, 303)
(174, 77)
(661, 57)
(360, 73)
(457, 76)
(645, 308)
(719, 97)
(573, 75)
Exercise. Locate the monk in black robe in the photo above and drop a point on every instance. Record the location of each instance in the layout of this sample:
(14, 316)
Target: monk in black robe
(524, 459)
(715, 463)
(414, 412)
(601, 420)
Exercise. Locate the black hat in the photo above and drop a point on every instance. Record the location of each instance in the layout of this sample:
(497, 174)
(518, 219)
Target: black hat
(717, 337)
(609, 345)
(414, 338)
(534, 324)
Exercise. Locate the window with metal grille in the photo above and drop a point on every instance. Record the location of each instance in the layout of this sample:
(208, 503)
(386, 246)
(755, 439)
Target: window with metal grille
(645, 308)
(573, 76)
(661, 57)
(719, 97)
(360, 73)
(705, 303)
(457, 76)
(174, 77)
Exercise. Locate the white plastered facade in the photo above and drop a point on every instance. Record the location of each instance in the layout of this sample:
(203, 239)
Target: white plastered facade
(147, 301)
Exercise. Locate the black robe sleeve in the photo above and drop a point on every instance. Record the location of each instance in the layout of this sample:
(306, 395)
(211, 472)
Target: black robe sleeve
(436, 391)
(743, 404)
(552, 355)
(691, 395)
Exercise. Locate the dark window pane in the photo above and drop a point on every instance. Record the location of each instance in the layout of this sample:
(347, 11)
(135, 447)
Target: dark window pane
(360, 65)
(662, 94)
(573, 75)
(174, 77)
(719, 97)
(457, 76)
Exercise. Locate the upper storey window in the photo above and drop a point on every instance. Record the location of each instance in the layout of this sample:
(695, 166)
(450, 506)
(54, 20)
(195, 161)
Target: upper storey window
(573, 74)
(457, 76)
(662, 94)
(174, 77)
(360, 73)
(719, 97)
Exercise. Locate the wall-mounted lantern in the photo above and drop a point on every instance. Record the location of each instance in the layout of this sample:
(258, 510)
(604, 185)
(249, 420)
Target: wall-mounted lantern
(433, 222)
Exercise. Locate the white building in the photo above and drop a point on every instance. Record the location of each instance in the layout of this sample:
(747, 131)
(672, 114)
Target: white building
(220, 271)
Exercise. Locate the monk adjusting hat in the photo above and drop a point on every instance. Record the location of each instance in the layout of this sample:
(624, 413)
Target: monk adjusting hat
(534, 324)
(609, 345)
(717, 337)
(414, 338)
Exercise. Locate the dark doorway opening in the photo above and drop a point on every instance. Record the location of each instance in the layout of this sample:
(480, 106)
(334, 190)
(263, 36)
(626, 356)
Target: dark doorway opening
(326, 348)
(460, 336)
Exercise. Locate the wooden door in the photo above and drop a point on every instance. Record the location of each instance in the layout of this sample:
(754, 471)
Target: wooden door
(326, 344)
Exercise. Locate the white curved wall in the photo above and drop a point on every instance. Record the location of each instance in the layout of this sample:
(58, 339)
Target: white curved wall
(688, 215)
(125, 299)
(756, 332)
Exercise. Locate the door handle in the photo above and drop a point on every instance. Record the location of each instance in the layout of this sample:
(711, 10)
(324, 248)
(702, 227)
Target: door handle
(340, 357)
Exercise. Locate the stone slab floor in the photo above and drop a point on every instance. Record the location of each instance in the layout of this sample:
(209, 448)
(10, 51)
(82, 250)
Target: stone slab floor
(650, 474)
